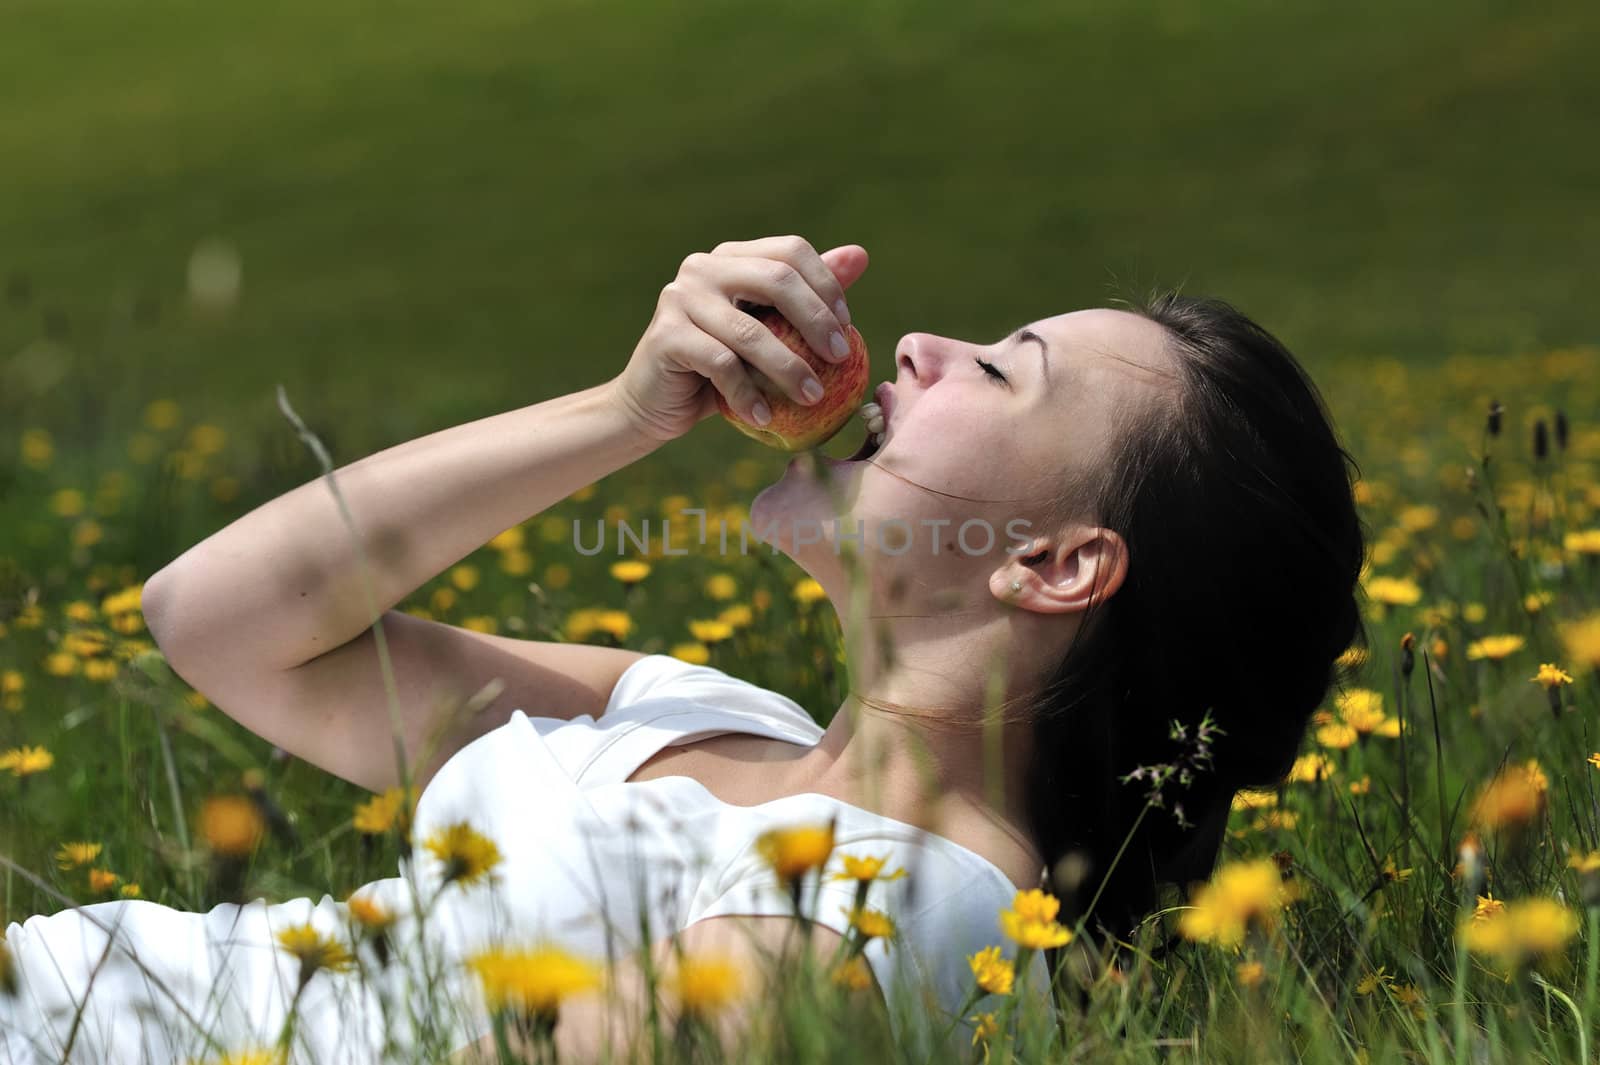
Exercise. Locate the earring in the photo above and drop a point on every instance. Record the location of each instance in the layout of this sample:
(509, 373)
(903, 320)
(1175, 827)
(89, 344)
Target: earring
(1016, 586)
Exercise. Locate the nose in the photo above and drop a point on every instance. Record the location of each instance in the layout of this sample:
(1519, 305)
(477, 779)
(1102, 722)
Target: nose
(923, 356)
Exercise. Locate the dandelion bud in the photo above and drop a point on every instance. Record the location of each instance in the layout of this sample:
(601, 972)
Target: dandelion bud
(1407, 658)
(1469, 864)
(1561, 429)
(1541, 441)
(1495, 411)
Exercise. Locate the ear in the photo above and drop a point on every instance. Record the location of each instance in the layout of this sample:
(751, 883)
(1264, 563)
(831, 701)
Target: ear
(1064, 574)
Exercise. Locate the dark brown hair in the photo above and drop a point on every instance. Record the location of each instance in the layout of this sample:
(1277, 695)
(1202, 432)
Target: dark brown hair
(1234, 498)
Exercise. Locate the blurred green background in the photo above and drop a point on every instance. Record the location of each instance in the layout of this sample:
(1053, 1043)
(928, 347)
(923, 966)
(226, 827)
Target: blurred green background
(444, 211)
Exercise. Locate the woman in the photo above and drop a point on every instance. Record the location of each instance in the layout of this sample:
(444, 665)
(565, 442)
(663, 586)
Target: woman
(1103, 524)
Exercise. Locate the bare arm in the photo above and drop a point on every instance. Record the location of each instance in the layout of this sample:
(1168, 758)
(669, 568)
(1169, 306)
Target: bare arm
(268, 616)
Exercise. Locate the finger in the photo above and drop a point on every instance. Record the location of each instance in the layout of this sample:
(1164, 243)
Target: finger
(750, 339)
(800, 285)
(847, 262)
(728, 374)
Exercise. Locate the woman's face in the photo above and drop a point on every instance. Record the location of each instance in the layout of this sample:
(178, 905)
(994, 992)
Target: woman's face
(971, 456)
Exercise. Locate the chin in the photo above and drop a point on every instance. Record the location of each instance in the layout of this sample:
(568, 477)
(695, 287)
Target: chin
(799, 500)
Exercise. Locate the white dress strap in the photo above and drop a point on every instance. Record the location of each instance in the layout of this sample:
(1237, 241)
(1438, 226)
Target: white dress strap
(661, 701)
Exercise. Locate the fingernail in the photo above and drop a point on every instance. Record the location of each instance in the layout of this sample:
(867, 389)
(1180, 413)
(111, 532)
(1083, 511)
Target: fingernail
(841, 346)
(812, 389)
(842, 312)
(762, 413)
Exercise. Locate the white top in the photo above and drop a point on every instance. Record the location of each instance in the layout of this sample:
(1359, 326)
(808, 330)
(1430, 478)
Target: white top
(577, 841)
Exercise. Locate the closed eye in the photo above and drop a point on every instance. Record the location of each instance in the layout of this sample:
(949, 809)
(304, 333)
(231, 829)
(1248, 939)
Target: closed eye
(989, 369)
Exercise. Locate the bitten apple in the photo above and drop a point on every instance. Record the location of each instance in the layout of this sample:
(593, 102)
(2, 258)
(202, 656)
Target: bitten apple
(795, 426)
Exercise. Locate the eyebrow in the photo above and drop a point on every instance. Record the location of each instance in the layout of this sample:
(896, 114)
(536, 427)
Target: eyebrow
(1022, 336)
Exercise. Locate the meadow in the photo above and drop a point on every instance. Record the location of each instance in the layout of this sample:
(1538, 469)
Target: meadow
(405, 223)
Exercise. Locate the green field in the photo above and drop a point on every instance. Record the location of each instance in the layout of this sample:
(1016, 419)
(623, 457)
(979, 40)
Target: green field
(441, 213)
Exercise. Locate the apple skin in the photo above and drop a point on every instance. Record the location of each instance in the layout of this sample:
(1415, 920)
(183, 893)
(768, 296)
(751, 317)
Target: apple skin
(794, 426)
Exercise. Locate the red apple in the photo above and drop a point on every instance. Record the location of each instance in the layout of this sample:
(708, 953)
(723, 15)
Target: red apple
(795, 426)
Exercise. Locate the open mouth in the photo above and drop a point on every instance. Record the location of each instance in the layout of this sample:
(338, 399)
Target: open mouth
(869, 447)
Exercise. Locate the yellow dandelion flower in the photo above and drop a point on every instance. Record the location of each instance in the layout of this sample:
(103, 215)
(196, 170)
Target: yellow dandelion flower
(793, 851)
(464, 577)
(1239, 895)
(872, 924)
(1284, 819)
(706, 984)
(1474, 612)
(511, 539)
(1585, 863)
(993, 973)
(1031, 921)
(865, 869)
(1515, 796)
(1522, 931)
(737, 616)
(516, 563)
(1249, 973)
(984, 1028)
(315, 950)
(130, 890)
(1312, 767)
(696, 654)
(1495, 648)
(26, 761)
(1393, 591)
(383, 813)
(243, 1057)
(1361, 709)
(1582, 641)
(1362, 786)
(66, 503)
(853, 974)
(1252, 799)
(369, 914)
(615, 622)
(37, 448)
(102, 880)
(1374, 980)
(1582, 542)
(807, 591)
(1594, 759)
(232, 825)
(710, 631)
(73, 855)
(1550, 675)
(468, 856)
(1487, 906)
(630, 571)
(535, 980)
(1336, 736)
(721, 587)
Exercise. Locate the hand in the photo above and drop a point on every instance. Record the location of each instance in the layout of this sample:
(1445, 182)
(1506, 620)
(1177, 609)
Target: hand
(699, 342)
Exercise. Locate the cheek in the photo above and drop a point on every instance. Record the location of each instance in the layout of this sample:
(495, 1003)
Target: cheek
(968, 458)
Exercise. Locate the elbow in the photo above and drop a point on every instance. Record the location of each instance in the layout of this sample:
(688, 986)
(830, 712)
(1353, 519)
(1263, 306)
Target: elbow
(155, 603)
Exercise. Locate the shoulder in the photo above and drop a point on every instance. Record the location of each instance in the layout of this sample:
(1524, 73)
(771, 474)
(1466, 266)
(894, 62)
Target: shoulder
(657, 677)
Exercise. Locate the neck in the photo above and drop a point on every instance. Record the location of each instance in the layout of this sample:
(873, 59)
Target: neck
(912, 738)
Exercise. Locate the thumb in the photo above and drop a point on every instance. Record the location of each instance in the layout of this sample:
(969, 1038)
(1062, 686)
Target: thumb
(848, 262)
